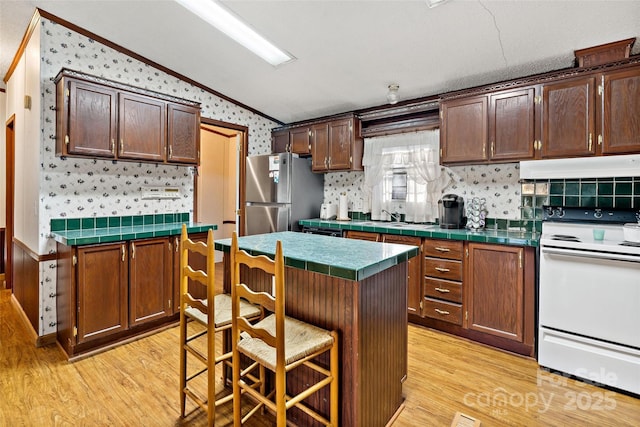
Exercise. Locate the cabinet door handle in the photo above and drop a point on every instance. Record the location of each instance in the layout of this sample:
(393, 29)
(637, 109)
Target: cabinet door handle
(443, 290)
(133, 250)
(123, 252)
(177, 244)
(443, 312)
(493, 146)
(442, 269)
(439, 249)
(121, 145)
(113, 146)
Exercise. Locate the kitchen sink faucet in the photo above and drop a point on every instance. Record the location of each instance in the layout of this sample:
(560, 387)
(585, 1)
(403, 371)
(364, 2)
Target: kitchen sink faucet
(394, 216)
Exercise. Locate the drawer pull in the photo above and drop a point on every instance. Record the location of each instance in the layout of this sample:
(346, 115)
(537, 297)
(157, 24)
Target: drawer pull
(443, 290)
(443, 312)
(438, 248)
(443, 270)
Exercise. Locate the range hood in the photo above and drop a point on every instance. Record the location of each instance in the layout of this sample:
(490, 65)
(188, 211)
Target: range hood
(582, 167)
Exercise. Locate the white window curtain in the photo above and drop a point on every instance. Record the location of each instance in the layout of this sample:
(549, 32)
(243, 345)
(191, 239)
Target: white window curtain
(417, 154)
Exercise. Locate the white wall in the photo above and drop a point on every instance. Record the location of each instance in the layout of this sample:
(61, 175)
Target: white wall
(217, 183)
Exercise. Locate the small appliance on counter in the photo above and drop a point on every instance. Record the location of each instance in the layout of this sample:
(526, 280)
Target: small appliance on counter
(328, 211)
(451, 211)
(476, 213)
(343, 208)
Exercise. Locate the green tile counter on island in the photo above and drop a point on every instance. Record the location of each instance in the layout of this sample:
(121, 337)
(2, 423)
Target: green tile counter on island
(117, 277)
(358, 288)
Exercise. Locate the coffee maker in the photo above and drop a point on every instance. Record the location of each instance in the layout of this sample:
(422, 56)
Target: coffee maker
(451, 211)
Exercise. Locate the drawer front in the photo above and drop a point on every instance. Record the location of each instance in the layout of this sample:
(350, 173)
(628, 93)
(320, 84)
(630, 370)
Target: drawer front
(442, 310)
(403, 240)
(442, 268)
(362, 235)
(450, 249)
(443, 289)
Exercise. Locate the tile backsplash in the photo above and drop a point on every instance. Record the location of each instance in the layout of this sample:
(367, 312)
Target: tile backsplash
(619, 192)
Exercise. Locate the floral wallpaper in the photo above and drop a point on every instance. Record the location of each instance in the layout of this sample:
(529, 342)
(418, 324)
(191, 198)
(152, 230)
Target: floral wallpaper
(498, 184)
(75, 188)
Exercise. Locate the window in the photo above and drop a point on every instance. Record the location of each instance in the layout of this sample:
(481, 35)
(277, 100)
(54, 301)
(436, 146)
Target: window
(403, 175)
(397, 183)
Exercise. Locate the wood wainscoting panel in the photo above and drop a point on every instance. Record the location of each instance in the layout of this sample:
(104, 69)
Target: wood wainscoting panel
(371, 318)
(25, 283)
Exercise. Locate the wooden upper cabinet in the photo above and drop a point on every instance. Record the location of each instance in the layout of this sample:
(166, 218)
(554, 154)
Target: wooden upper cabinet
(97, 118)
(141, 127)
(280, 141)
(340, 140)
(569, 119)
(335, 146)
(621, 112)
(300, 140)
(320, 147)
(183, 133)
(87, 122)
(512, 125)
(463, 131)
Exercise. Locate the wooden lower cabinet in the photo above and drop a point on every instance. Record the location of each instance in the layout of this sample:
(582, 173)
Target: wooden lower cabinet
(109, 292)
(480, 291)
(150, 280)
(362, 235)
(414, 278)
(495, 290)
(102, 291)
(442, 269)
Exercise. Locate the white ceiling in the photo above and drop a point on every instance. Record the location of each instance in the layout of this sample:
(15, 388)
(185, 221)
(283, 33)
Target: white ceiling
(347, 52)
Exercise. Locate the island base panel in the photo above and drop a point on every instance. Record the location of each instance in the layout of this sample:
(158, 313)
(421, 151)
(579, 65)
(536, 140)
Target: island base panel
(371, 319)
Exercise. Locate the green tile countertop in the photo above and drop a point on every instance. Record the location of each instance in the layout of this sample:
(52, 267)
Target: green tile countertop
(343, 258)
(90, 236)
(500, 236)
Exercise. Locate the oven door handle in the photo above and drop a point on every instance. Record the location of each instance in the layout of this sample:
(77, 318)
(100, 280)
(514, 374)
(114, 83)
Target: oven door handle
(589, 254)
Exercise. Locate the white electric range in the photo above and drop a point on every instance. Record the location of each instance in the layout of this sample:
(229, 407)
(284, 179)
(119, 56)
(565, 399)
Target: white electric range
(589, 297)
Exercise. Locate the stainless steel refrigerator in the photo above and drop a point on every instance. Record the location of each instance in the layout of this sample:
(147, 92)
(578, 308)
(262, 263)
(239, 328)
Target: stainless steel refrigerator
(280, 191)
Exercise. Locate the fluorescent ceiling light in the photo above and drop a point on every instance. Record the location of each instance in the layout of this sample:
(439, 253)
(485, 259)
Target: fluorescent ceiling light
(224, 20)
(434, 3)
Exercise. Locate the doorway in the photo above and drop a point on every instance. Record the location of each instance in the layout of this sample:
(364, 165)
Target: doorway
(218, 195)
(9, 200)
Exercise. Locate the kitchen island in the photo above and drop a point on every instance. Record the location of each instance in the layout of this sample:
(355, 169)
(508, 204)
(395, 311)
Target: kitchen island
(358, 288)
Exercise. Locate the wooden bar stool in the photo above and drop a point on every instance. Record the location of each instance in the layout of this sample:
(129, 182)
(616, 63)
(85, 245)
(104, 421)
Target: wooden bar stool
(216, 307)
(278, 343)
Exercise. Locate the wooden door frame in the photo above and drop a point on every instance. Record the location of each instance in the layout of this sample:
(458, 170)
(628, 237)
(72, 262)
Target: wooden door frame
(9, 200)
(244, 148)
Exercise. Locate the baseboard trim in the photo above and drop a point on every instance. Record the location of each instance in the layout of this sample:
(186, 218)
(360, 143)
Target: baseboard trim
(130, 339)
(25, 319)
(46, 340)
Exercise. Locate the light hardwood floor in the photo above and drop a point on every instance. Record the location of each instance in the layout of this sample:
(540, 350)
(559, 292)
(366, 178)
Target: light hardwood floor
(136, 384)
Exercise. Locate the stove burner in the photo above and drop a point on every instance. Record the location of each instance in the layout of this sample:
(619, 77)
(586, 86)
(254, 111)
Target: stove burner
(565, 237)
(632, 244)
